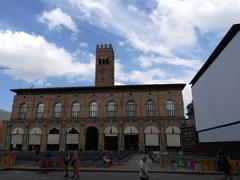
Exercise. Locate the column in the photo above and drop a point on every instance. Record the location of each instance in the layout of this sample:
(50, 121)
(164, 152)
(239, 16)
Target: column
(120, 138)
(62, 137)
(141, 138)
(101, 138)
(44, 139)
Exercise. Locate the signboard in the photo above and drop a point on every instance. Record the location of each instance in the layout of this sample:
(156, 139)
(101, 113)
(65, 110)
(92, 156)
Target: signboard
(72, 138)
(53, 138)
(16, 139)
(151, 140)
(35, 139)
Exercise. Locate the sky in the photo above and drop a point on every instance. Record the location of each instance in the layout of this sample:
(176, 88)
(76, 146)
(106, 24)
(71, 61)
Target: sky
(52, 43)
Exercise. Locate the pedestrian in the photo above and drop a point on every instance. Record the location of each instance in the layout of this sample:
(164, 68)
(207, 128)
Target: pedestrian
(143, 171)
(37, 152)
(66, 162)
(75, 164)
(224, 165)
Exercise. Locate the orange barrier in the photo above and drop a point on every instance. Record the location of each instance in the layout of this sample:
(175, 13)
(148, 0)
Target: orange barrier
(207, 165)
(7, 161)
(235, 164)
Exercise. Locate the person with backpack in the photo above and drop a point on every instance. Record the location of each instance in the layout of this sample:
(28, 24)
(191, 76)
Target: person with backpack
(224, 165)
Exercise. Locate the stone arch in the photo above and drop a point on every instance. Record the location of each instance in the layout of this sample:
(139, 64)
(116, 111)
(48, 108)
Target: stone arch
(151, 134)
(92, 134)
(17, 138)
(131, 138)
(35, 135)
(173, 137)
(53, 139)
(111, 138)
(72, 139)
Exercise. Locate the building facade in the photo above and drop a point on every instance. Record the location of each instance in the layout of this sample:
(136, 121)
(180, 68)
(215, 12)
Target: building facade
(215, 90)
(104, 116)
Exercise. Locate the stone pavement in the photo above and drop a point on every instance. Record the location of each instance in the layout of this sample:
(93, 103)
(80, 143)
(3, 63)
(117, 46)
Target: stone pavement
(55, 175)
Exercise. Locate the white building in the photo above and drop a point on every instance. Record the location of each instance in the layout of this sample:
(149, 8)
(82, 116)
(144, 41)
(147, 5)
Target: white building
(216, 93)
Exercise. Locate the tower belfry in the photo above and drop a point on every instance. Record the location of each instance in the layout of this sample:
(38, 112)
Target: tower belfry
(104, 65)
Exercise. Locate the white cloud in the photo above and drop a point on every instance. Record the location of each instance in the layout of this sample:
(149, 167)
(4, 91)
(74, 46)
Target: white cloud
(170, 25)
(83, 44)
(149, 61)
(33, 59)
(57, 18)
(155, 75)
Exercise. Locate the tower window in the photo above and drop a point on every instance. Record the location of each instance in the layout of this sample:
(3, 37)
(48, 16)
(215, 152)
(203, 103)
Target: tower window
(99, 62)
(103, 61)
(107, 62)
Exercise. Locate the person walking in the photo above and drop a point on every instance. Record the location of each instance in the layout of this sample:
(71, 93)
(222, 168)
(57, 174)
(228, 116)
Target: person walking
(66, 162)
(76, 164)
(224, 165)
(143, 171)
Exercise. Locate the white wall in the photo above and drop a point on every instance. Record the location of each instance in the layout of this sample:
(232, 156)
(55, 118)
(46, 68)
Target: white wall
(216, 94)
(228, 133)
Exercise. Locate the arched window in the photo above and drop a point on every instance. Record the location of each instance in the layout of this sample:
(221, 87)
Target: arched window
(103, 61)
(57, 111)
(150, 108)
(40, 111)
(170, 108)
(112, 108)
(93, 110)
(131, 109)
(107, 62)
(99, 62)
(22, 111)
(75, 110)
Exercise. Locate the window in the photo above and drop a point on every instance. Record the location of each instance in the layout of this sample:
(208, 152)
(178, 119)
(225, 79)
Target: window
(170, 108)
(93, 111)
(107, 62)
(57, 111)
(112, 108)
(99, 62)
(76, 110)
(131, 109)
(150, 108)
(22, 111)
(40, 111)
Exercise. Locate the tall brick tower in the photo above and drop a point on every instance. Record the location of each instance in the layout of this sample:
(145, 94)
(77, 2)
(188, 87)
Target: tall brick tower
(104, 65)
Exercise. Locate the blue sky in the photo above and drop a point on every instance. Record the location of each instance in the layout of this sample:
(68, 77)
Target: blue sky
(48, 43)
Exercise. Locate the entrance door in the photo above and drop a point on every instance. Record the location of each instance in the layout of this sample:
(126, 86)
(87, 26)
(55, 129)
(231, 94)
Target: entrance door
(111, 138)
(131, 142)
(91, 139)
(111, 143)
(72, 139)
(131, 138)
(53, 140)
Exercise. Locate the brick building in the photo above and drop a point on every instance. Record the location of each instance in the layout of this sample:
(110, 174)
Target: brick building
(104, 116)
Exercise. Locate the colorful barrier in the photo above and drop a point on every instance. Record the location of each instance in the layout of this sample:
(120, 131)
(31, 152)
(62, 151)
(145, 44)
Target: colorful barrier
(206, 165)
(7, 161)
(235, 164)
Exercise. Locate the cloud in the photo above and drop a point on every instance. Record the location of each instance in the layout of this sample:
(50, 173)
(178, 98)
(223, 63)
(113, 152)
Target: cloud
(56, 18)
(168, 26)
(155, 75)
(83, 44)
(33, 59)
(152, 60)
